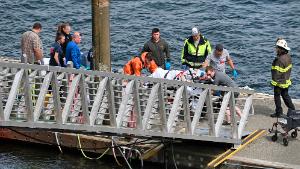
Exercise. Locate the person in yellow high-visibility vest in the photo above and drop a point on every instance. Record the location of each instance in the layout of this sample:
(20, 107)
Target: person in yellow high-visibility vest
(281, 72)
(195, 50)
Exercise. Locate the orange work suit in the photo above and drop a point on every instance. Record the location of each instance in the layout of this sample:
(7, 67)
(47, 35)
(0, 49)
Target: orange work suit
(136, 65)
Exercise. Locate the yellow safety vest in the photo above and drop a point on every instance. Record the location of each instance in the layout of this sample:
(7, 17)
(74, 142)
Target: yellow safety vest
(194, 56)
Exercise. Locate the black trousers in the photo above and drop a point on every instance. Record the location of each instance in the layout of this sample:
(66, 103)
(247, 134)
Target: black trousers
(284, 93)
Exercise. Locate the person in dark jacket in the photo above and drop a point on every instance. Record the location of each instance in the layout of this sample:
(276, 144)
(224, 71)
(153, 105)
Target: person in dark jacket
(159, 49)
(56, 53)
(281, 72)
(64, 29)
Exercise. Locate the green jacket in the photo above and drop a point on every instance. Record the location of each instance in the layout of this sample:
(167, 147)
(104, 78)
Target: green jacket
(281, 71)
(193, 56)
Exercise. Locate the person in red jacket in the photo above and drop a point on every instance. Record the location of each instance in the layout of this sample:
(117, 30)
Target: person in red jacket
(137, 64)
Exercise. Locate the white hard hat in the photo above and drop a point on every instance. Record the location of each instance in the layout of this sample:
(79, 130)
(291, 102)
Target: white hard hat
(282, 43)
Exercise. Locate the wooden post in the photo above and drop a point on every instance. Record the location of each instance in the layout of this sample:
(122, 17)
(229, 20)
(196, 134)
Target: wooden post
(101, 35)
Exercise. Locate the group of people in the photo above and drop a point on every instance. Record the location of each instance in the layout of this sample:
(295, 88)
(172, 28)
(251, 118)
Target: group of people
(199, 62)
(196, 54)
(65, 47)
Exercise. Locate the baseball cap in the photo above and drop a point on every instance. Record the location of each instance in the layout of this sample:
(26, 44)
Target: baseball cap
(195, 31)
(219, 47)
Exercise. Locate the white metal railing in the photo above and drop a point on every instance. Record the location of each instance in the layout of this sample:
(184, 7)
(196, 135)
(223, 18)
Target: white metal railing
(57, 98)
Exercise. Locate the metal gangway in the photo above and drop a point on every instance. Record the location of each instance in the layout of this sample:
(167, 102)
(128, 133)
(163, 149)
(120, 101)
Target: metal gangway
(66, 99)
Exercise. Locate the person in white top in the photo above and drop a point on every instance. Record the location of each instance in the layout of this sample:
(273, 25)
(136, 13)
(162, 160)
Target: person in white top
(218, 58)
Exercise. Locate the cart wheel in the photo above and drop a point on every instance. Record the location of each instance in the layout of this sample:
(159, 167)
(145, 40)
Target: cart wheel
(285, 142)
(274, 137)
(294, 134)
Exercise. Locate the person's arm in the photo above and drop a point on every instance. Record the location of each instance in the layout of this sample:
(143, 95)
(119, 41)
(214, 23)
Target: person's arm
(230, 62)
(75, 58)
(167, 51)
(184, 51)
(37, 49)
(146, 48)
(207, 61)
(228, 59)
(56, 58)
(38, 54)
(137, 66)
(208, 47)
(234, 72)
(167, 59)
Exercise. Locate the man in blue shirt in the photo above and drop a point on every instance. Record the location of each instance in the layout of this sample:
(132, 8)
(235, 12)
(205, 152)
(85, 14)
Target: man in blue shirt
(73, 52)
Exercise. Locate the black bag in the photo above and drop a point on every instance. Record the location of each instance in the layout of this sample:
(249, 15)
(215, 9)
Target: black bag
(293, 119)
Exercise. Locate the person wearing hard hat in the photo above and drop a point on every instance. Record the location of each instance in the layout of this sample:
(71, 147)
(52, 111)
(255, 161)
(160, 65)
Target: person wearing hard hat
(137, 64)
(195, 50)
(281, 72)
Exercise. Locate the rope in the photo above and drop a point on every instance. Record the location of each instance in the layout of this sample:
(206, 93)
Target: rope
(172, 149)
(123, 156)
(113, 149)
(86, 155)
(137, 151)
(57, 141)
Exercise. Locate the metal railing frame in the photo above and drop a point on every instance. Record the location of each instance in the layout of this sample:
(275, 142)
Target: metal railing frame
(130, 94)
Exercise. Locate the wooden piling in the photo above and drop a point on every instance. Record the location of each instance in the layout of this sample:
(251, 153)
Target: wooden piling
(101, 35)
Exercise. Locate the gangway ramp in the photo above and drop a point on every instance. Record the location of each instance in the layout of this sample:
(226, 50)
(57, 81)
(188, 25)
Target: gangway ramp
(55, 98)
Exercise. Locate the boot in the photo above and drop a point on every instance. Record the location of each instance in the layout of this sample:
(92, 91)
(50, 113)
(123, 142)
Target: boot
(276, 115)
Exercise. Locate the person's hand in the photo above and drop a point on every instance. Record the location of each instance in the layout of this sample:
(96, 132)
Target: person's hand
(234, 74)
(168, 65)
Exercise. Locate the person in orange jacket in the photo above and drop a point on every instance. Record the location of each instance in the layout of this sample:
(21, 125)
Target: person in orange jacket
(137, 64)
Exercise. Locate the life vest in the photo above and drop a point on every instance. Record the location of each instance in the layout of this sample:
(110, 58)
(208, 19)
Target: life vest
(193, 56)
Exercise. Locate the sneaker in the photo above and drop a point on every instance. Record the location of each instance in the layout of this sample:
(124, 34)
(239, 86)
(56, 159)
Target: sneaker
(226, 123)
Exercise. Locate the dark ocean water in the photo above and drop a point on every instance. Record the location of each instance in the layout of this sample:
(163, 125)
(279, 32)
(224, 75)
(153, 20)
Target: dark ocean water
(247, 28)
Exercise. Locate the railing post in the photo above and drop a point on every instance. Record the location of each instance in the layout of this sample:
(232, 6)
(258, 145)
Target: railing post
(111, 100)
(162, 109)
(56, 98)
(84, 102)
(137, 107)
(186, 108)
(210, 113)
(28, 96)
(233, 116)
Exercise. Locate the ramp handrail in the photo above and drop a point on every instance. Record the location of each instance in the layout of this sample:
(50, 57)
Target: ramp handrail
(39, 96)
